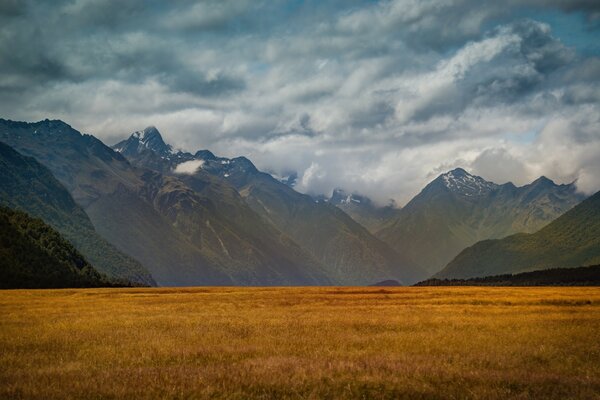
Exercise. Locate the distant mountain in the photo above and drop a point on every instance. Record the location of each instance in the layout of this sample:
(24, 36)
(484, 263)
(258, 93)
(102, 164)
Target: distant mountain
(571, 240)
(348, 253)
(390, 282)
(578, 276)
(363, 210)
(458, 209)
(27, 185)
(36, 256)
(204, 235)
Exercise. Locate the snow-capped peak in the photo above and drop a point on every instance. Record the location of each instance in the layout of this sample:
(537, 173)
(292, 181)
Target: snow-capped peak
(460, 181)
(149, 138)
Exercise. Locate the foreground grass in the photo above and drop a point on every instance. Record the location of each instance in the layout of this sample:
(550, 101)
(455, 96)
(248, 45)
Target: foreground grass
(337, 343)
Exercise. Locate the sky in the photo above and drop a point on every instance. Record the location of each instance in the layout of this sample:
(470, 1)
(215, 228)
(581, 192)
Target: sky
(374, 97)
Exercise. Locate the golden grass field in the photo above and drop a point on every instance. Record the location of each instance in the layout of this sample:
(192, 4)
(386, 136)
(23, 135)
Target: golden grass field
(298, 343)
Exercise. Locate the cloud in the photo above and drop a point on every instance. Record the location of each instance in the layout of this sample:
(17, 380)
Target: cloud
(489, 161)
(188, 167)
(373, 97)
(208, 15)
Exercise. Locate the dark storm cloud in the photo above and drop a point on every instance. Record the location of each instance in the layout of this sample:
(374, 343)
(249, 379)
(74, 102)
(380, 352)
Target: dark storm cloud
(372, 96)
(200, 84)
(11, 8)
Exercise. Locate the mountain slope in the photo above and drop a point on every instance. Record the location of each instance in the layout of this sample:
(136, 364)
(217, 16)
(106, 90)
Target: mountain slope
(27, 185)
(181, 236)
(571, 240)
(457, 209)
(33, 255)
(348, 252)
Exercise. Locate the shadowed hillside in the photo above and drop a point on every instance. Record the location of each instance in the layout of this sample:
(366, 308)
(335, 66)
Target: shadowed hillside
(27, 185)
(571, 240)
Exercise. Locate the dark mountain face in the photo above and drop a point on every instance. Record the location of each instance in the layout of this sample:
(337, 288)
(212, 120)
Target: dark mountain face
(571, 240)
(82, 163)
(348, 253)
(458, 209)
(36, 256)
(27, 185)
(213, 216)
(182, 236)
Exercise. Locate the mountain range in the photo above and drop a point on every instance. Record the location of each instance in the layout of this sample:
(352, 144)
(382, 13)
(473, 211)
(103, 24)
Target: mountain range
(348, 253)
(143, 211)
(571, 240)
(458, 209)
(151, 217)
(223, 224)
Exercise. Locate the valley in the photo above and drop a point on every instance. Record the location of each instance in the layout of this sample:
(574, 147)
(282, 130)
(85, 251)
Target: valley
(300, 200)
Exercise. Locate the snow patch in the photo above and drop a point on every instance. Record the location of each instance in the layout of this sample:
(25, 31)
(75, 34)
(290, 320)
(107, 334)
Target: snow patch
(467, 184)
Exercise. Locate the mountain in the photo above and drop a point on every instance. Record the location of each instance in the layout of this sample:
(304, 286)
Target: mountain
(27, 185)
(205, 235)
(458, 209)
(363, 210)
(33, 255)
(348, 253)
(149, 138)
(571, 240)
(576, 276)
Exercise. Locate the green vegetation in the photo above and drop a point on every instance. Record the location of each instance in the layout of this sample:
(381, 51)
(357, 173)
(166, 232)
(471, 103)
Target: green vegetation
(33, 255)
(27, 185)
(301, 343)
(582, 276)
(571, 240)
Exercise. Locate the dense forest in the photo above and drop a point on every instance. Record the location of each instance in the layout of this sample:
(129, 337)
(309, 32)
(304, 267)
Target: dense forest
(580, 276)
(34, 255)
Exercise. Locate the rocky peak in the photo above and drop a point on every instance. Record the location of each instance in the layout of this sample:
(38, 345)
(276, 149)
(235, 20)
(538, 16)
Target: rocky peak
(461, 182)
(149, 138)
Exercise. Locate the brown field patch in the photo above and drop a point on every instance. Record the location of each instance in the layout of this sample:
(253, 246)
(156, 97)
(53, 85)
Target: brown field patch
(301, 343)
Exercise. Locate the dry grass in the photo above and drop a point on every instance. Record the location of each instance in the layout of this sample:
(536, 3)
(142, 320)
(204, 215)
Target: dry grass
(240, 343)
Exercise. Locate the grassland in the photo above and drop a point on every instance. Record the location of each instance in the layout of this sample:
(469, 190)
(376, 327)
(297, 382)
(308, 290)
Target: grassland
(338, 343)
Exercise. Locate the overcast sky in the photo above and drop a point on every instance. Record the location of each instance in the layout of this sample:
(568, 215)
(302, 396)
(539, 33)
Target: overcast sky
(377, 97)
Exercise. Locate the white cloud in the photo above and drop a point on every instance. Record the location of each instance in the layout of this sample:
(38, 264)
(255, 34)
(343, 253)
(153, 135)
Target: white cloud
(189, 167)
